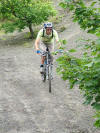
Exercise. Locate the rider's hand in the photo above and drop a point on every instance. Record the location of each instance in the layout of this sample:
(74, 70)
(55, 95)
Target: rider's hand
(38, 51)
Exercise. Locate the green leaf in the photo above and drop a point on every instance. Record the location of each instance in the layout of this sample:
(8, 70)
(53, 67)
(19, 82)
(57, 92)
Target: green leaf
(68, 0)
(97, 123)
(96, 106)
(89, 65)
(97, 98)
(88, 100)
(96, 60)
(98, 34)
(72, 50)
(93, 3)
(64, 42)
(63, 5)
(94, 53)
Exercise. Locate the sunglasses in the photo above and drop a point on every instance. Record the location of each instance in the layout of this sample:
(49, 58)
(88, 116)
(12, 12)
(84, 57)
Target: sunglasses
(49, 29)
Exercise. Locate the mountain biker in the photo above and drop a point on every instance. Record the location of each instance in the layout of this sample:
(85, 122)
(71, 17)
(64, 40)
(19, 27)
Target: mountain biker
(46, 36)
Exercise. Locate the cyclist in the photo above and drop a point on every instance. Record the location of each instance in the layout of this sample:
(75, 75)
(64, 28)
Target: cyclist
(46, 36)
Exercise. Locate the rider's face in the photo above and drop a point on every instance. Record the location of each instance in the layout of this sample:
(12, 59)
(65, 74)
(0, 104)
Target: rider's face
(48, 31)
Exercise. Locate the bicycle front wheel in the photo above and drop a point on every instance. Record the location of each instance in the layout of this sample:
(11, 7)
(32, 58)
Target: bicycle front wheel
(49, 77)
(44, 74)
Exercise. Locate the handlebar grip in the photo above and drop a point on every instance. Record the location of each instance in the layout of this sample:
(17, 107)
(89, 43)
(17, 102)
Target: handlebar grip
(38, 51)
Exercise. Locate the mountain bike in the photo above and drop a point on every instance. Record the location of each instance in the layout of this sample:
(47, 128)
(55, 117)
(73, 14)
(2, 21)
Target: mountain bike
(47, 67)
(47, 71)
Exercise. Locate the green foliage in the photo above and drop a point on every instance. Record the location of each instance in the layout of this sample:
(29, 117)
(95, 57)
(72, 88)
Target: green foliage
(97, 123)
(24, 13)
(72, 50)
(63, 5)
(84, 71)
(87, 17)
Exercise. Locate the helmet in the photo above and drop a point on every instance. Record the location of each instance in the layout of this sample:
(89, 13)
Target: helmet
(48, 25)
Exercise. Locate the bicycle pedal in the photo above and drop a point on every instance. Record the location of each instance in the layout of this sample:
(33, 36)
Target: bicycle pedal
(41, 72)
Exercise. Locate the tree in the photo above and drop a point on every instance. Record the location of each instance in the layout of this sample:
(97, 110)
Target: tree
(85, 70)
(23, 13)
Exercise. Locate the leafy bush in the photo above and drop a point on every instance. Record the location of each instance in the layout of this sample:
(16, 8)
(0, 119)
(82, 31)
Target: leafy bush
(85, 70)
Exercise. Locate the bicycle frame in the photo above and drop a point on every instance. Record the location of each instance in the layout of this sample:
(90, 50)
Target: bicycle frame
(47, 68)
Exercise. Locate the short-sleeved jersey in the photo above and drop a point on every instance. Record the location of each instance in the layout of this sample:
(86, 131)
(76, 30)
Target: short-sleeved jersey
(47, 38)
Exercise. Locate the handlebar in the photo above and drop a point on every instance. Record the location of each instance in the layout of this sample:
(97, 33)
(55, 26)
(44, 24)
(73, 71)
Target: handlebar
(55, 52)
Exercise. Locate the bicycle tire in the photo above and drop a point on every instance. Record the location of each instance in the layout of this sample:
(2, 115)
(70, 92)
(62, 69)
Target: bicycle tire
(44, 74)
(49, 77)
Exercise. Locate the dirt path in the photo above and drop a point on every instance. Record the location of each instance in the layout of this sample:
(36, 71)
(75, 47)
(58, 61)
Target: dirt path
(25, 103)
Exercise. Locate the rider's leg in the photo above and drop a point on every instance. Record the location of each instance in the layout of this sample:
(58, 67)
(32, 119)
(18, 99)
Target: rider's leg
(43, 48)
(42, 63)
(51, 48)
(42, 60)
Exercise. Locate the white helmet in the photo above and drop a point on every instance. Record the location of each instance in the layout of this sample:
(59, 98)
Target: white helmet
(48, 25)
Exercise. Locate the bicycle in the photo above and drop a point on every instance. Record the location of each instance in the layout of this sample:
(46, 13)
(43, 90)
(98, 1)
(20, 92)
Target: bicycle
(47, 72)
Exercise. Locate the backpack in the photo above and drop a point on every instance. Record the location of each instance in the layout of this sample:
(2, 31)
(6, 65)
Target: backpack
(44, 31)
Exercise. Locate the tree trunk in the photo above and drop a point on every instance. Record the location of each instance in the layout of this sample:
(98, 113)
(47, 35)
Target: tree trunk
(31, 31)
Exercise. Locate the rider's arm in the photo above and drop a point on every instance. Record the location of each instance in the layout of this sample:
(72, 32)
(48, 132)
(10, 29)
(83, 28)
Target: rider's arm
(37, 43)
(38, 40)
